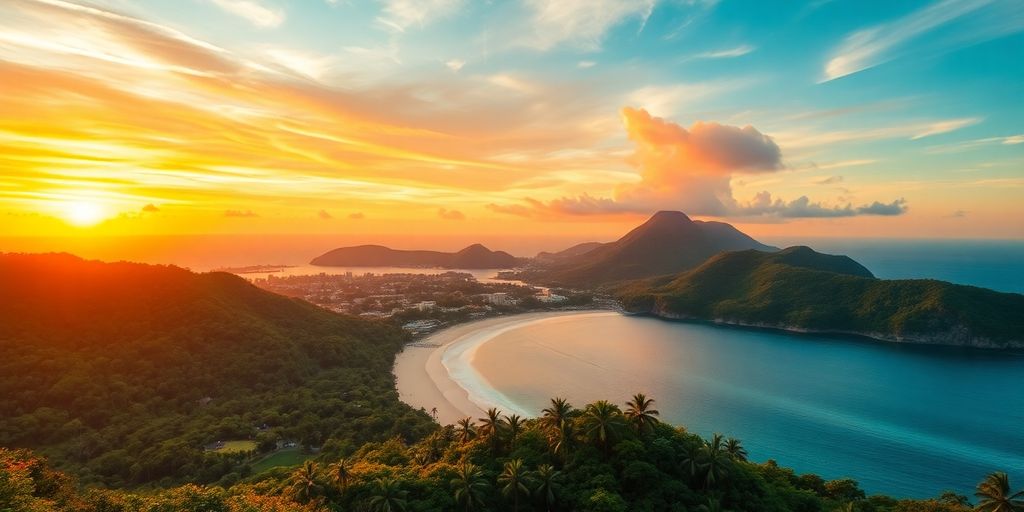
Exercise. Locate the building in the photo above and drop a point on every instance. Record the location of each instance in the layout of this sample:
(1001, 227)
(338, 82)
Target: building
(498, 299)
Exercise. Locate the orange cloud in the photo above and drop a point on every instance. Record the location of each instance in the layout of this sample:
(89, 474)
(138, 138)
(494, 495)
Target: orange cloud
(691, 170)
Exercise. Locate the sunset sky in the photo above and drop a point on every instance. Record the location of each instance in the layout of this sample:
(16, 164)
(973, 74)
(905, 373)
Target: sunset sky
(457, 118)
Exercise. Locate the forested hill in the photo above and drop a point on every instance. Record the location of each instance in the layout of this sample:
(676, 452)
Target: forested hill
(668, 243)
(800, 289)
(122, 372)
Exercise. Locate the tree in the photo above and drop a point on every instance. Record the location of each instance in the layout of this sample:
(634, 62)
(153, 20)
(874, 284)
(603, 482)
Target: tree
(601, 422)
(994, 495)
(546, 476)
(954, 498)
(736, 449)
(640, 414)
(342, 472)
(470, 487)
(715, 461)
(514, 477)
(490, 427)
(305, 483)
(553, 416)
(556, 420)
(514, 425)
(692, 458)
(466, 430)
(388, 496)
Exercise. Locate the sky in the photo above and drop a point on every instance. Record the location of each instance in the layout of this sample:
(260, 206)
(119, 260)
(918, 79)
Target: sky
(459, 119)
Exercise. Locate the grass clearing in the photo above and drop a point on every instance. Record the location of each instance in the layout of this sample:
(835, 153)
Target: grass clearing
(281, 458)
(237, 446)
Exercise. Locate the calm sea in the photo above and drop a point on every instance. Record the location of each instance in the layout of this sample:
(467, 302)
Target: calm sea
(904, 420)
(995, 264)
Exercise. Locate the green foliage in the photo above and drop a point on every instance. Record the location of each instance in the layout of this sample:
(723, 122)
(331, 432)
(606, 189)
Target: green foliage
(122, 373)
(800, 289)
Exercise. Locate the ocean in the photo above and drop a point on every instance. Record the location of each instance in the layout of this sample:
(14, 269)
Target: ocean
(905, 420)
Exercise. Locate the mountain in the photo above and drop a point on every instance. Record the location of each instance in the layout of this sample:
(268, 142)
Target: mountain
(669, 242)
(122, 372)
(474, 256)
(802, 290)
(576, 250)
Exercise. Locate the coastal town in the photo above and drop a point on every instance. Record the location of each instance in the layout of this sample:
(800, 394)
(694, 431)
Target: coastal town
(423, 303)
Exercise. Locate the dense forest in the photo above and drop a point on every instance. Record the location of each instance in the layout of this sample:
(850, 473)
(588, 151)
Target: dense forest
(798, 288)
(601, 458)
(123, 374)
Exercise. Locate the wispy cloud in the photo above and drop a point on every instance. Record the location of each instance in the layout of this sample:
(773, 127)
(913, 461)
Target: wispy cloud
(447, 214)
(877, 44)
(252, 11)
(1009, 140)
(581, 23)
(399, 15)
(951, 125)
(728, 53)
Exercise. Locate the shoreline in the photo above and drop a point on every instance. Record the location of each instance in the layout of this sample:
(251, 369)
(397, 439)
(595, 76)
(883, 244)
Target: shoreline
(423, 380)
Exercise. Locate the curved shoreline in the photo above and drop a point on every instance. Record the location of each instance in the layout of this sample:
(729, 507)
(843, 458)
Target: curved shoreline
(426, 378)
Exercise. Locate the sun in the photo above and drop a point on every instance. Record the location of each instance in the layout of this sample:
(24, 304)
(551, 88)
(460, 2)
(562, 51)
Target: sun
(84, 213)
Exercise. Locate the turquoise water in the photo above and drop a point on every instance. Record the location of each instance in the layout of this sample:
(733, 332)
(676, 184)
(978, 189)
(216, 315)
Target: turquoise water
(995, 264)
(909, 421)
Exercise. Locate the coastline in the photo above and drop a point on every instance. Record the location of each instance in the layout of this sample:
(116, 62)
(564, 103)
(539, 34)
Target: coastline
(952, 339)
(423, 379)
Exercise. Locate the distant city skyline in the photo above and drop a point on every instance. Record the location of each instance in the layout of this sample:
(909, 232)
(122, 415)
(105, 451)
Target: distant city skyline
(455, 119)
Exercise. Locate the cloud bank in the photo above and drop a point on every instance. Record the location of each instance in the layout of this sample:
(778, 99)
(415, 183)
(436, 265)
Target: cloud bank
(691, 169)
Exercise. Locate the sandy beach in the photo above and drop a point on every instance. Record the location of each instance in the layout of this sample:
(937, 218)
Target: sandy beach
(422, 379)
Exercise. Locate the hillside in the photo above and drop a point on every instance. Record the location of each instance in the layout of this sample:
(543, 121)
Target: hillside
(669, 242)
(122, 372)
(472, 257)
(799, 289)
(576, 250)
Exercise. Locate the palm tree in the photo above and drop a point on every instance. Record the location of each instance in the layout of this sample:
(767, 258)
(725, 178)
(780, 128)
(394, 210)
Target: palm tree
(514, 425)
(305, 483)
(640, 414)
(342, 471)
(556, 420)
(561, 439)
(546, 478)
(735, 449)
(692, 459)
(470, 486)
(714, 461)
(466, 430)
(552, 417)
(388, 496)
(994, 495)
(515, 478)
(601, 421)
(712, 505)
(490, 427)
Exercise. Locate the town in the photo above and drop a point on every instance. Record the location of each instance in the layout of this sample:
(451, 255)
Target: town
(422, 303)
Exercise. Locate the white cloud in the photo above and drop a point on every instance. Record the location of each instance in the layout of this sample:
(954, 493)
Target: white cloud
(584, 64)
(582, 23)
(311, 66)
(253, 12)
(729, 53)
(455, 64)
(875, 45)
(399, 15)
(668, 100)
(946, 127)
(513, 83)
(808, 138)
